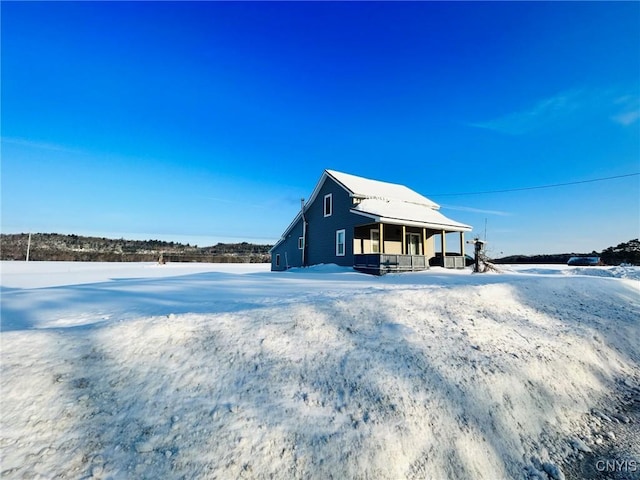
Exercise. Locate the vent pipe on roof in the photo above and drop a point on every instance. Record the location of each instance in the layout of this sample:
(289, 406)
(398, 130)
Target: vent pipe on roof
(304, 231)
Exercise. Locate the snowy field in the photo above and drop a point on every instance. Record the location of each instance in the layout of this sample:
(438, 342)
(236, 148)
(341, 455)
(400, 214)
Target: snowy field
(230, 371)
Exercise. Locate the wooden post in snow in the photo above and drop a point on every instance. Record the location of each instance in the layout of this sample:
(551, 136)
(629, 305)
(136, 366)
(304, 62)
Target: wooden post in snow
(478, 244)
(28, 246)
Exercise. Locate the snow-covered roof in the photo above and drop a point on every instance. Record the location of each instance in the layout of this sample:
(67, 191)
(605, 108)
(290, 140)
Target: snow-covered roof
(384, 202)
(367, 188)
(395, 211)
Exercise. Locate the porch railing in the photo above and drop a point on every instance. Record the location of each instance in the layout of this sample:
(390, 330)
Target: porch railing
(381, 263)
(454, 262)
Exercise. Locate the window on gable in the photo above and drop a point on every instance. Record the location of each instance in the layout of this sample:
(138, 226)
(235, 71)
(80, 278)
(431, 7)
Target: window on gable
(300, 243)
(328, 205)
(340, 243)
(277, 259)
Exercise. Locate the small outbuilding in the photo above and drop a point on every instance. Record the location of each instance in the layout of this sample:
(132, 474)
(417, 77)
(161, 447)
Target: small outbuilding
(372, 226)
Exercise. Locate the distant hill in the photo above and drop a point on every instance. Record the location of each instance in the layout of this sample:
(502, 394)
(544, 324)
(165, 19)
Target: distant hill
(557, 258)
(627, 252)
(59, 247)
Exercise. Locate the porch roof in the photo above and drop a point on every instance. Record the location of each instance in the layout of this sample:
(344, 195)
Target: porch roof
(399, 212)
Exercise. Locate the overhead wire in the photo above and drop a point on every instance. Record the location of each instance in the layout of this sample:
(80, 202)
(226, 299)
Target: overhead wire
(520, 189)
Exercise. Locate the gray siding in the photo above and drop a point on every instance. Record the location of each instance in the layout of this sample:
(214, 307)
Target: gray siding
(288, 250)
(321, 230)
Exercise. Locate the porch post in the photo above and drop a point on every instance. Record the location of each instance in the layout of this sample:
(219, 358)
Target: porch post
(381, 237)
(404, 240)
(424, 241)
(444, 244)
(462, 243)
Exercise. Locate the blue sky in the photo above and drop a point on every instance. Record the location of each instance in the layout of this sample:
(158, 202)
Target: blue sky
(204, 122)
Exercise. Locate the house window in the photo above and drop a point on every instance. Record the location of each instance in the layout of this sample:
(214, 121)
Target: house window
(328, 205)
(375, 241)
(340, 243)
(277, 259)
(300, 243)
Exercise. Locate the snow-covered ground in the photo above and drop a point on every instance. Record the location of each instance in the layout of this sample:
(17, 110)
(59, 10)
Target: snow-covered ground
(230, 371)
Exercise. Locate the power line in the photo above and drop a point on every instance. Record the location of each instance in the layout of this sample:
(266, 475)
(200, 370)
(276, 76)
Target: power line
(553, 185)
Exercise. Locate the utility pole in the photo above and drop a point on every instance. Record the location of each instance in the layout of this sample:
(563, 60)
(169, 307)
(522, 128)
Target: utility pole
(28, 246)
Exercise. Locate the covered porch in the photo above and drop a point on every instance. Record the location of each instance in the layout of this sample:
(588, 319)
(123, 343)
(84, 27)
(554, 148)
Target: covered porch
(381, 248)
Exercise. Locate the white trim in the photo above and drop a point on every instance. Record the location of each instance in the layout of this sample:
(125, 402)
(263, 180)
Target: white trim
(344, 243)
(300, 243)
(324, 205)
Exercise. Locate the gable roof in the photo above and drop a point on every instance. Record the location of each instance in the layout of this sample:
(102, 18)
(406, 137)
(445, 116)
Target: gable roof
(393, 203)
(365, 188)
(360, 187)
(384, 202)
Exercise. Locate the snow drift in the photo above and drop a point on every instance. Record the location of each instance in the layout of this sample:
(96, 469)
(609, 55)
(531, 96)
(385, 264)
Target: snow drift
(211, 372)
